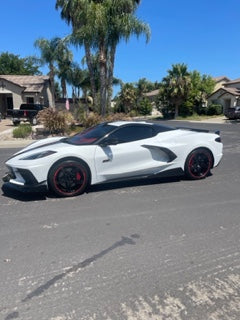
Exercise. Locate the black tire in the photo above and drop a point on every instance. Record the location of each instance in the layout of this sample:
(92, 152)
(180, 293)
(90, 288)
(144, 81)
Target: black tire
(198, 164)
(68, 178)
(33, 121)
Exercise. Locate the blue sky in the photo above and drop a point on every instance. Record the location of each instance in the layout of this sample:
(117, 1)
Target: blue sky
(202, 34)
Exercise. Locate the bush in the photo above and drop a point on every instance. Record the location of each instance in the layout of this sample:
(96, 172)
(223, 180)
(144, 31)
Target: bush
(93, 119)
(186, 109)
(55, 121)
(90, 120)
(145, 107)
(168, 113)
(119, 116)
(22, 131)
(214, 109)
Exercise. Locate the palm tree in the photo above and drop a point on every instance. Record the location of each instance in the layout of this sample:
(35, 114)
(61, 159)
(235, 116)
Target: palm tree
(75, 12)
(176, 86)
(99, 26)
(64, 61)
(122, 25)
(127, 98)
(48, 50)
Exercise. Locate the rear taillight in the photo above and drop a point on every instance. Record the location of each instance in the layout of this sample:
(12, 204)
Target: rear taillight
(218, 139)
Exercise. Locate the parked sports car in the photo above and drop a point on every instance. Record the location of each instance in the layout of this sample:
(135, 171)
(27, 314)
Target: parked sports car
(113, 151)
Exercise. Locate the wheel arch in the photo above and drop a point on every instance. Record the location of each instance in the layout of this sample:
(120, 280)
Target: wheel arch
(205, 148)
(72, 158)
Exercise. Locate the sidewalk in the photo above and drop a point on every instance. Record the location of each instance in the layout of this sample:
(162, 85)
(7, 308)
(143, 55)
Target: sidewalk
(6, 138)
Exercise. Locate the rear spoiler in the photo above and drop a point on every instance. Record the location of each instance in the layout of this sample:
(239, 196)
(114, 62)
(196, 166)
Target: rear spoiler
(198, 130)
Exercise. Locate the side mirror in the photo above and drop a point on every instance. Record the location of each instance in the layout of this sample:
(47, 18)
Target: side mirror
(109, 142)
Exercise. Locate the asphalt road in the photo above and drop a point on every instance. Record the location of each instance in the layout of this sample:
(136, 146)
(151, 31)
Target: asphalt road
(152, 250)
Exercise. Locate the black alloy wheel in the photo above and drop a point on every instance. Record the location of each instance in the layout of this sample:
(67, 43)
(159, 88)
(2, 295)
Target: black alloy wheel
(198, 164)
(68, 178)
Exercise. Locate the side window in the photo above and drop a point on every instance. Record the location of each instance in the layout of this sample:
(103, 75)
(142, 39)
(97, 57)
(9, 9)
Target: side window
(132, 133)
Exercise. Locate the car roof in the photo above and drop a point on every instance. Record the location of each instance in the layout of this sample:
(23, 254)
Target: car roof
(158, 126)
(120, 123)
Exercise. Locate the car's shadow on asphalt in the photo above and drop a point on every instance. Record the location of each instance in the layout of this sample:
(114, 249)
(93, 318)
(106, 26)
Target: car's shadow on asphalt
(20, 196)
(27, 197)
(131, 184)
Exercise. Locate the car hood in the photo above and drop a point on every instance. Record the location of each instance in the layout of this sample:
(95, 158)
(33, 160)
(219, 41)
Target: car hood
(40, 144)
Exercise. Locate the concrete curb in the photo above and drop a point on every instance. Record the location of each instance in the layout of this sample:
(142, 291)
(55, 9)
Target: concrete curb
(15, 143)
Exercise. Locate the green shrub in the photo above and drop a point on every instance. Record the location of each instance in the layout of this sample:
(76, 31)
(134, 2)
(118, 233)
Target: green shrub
(168, 113)
(186, 109)
(202, 111)
(214, 109)
(144, 107)
(22, 131)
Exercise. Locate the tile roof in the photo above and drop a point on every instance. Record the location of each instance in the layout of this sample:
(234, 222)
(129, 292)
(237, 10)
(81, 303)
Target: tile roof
(223, 90)
(30, 83)
(233, 81)
(221, 78)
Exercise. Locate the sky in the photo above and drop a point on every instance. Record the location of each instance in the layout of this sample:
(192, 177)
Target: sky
(204, 35)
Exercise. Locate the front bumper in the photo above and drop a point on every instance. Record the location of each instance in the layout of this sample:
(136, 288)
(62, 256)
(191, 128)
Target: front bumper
(40, 188)
(28, 184)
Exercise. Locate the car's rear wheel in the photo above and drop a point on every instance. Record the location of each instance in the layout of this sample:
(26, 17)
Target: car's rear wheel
(68, 178)
(198, 164)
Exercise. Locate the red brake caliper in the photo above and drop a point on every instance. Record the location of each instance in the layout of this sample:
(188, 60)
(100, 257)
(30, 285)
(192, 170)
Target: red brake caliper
(78, 176)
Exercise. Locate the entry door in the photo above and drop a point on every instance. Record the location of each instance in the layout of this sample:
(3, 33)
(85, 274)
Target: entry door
(128, 157)
(123, 160)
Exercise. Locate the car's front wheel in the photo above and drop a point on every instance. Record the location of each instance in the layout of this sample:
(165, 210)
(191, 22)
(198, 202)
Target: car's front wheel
(198, 164)
(68, 178)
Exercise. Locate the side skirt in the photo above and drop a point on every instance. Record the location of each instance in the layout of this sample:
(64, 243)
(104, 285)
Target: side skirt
(166, 174)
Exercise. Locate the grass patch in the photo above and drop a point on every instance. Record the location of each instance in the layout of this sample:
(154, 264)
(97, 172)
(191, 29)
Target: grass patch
(22, 131)
(197, 117)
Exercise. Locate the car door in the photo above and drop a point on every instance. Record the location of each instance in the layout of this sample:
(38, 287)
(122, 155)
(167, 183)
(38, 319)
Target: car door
(125, 155)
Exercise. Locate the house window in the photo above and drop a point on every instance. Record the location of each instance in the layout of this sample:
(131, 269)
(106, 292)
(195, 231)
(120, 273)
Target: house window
(9, 102)
(29, 99)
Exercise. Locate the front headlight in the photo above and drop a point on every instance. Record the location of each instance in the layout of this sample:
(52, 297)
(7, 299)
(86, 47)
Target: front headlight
(39, 155)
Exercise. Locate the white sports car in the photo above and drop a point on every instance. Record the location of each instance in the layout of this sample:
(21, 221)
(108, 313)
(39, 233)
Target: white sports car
(112, 151)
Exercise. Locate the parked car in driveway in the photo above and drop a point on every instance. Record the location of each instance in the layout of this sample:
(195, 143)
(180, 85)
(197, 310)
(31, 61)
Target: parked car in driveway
(26, 112)
(233, 113)
(113, 151)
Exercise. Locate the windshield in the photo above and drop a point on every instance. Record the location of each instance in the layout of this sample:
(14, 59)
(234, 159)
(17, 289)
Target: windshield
(90, 135)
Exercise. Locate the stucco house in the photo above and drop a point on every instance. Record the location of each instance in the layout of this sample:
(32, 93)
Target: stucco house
(227, 94)
(18, 89)
(220, 81)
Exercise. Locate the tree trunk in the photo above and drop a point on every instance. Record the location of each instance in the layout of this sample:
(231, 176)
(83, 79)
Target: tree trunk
(103, 69)
(110, 76)
(64, 88)
(91, 72)
(176, 111)
(51, 67)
